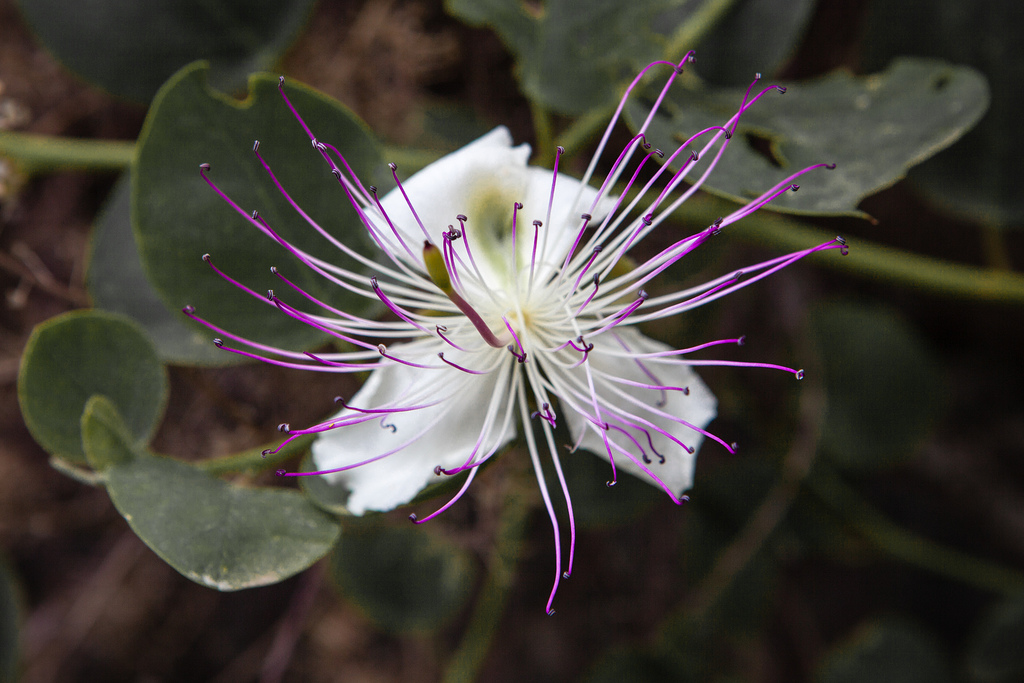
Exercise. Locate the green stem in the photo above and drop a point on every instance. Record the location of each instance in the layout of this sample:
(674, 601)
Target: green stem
(905, 545)
(866, 259)
(689, 34)
(34, 154)
(253, 459)
(466, 662)
(545, 152)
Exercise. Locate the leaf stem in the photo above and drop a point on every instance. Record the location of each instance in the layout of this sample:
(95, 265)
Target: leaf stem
(905, 545)
(253, 460)
(34, 154)
(466, 662)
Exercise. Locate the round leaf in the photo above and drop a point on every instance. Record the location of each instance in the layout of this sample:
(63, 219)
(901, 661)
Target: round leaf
(873, 128)
(754, 35)
(77, 355)
(980, 177)
(883, 385)
(886, 652)
(571, 58)
(118, 284)
(177, 217)
(219, 535)
(404, 578)
(131, 47)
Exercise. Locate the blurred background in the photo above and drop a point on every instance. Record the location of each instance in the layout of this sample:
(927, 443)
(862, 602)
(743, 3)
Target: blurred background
(869, 528)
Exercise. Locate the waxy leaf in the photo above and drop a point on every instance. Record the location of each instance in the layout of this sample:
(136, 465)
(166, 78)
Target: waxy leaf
(130, 47)
(117, 283)
(980, 177)
(404, 578)
(752, 36)
(177, 217)
(572, 57)
(883, 385)
(219, 535)
(873, 128)
(80, 354)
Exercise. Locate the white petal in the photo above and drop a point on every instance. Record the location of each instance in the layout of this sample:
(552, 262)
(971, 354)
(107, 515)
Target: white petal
(482, 181)
(447, 433)
(698, 408)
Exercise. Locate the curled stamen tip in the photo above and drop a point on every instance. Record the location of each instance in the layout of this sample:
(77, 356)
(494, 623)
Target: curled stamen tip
(373, 282)
(189, 309)
(280, 81)
(757, 75)
(204, 168)
(413, 517)
(648, 219)
(320, 147)
(643, 294)
(207, 258)
(284, 427)
(782, 89)
(336, 173)
(560, 149)
(381, 349)
(218, 342)
(799, 374)
(281, 473)
(256, 146)
(537, 224)
(794, 187)
(461, 217)
(270, 294)
(372, 189)
(586, 216)
(734, 446)
(339, 399)
(566, 574)
(611, 483)
(830, 167)
(266, 451)
(393, 166)
(550, 612)
(439, 470)
(742, 340)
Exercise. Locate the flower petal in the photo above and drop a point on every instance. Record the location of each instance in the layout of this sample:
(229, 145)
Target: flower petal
(697, 407)
(444, 434)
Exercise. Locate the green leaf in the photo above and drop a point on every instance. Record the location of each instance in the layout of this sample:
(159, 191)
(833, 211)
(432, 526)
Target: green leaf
(10, 618)
(130, 48)
(883, 385)
(77, 355)
(117, 283)
(873, 127)
(753, 36)
(572, 57)
(219, 535)
(995, 655)
(177, 218)
(980, 177)
(886, 652)
(404, 578)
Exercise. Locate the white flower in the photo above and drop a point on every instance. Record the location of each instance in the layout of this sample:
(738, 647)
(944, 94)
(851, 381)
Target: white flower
(513, 305)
